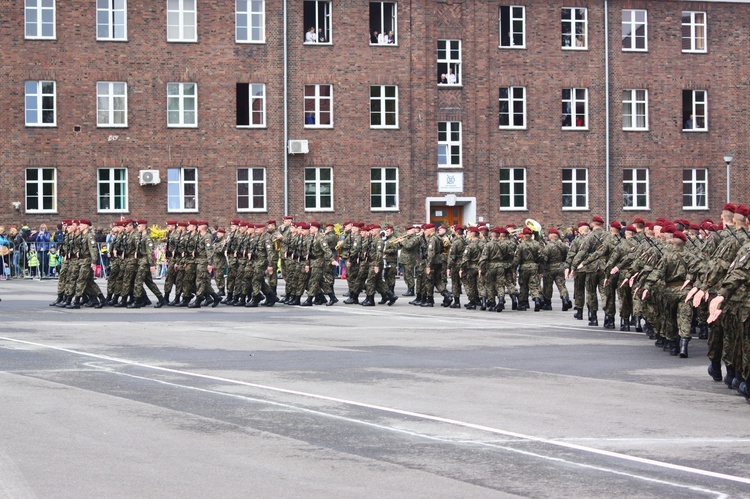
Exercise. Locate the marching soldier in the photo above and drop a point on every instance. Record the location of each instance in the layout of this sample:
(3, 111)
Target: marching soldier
(469, 272)
(455, 254)
(144, 257)
(409, 249)
(555, 254)
(529, 256)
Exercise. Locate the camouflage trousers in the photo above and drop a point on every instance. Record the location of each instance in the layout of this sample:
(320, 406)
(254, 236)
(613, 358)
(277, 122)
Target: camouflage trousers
(143, 277)
(732, 326)
(579, 289)
(554, 276)
(677, 314)
(528, 282)
(114, 272)
(409, 266)
(456, 288)
(352, 276)
(375, 283)
(469, 278)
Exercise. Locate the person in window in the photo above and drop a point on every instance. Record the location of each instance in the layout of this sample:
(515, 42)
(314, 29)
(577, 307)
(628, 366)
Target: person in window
(310, 36)
(451, 77)
(382, 38)
(391, 37)
(374, 37)
(443, 79)
(688, 125)
(579, 41)
(579, 121)
(321, 36)
(309, 119)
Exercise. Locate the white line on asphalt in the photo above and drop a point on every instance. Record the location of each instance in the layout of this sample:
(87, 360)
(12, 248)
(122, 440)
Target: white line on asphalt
(480, 443)
(488, 429)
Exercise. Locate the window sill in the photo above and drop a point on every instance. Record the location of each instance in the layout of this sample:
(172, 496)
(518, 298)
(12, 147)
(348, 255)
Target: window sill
(318, 127)
(575, 208)
(636, 50)
(448, 167)
(44, 38)
(182, 126)
(512, 47)
(259, 127)
(575, 48)
(41, 125)
(250, 42)
(119, 212)
(513, 209)
(380, 210)
(695, 51)
(383, 44)
(575, 129)
(183, 211)
(252, 210)
(182, 41)
(450, 85)
(112, 126)
(311, 44)
(636, 208)
(694, 130)
(635, 129)
(34, 212)
(512, 128)
(319, 210)
(104, 40)
(695, 208)
(383, 127)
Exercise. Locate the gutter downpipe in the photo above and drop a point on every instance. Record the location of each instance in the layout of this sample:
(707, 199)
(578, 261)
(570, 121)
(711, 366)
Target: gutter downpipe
(606, 107)
(286, 124)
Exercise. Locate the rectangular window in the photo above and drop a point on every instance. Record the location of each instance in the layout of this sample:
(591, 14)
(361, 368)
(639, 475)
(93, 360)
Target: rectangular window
(111, 104)
(383, 189)
(251, 189)
(111, 20)
(635, 189)
(112, 190)
(182, 21)
(449, 144)
(635, 109)
(574, 28)
(512, 26)
(41, 190)
(250, 21)
(694, 110)
(317, 21)
(449, 62)
(318, 189)
(512, 107)
(383, 23)
(40, 19)
(383, 106)
(575, 108)
(182, 190)
(694, 32)
(251, 105)
(695, 189)
(182, 105)
(41, 99)
(318, 106)
(634, 30)
(575, 189)
(512, 189)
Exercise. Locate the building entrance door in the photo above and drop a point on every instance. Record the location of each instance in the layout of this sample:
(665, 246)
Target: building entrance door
(446, 215)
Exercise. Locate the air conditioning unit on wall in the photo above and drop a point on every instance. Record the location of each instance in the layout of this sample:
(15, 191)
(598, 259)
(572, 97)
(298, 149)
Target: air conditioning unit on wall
(298, 147)
(149, 177)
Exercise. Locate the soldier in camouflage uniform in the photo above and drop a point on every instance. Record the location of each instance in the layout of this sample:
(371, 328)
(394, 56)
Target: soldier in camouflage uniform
(64, 274)
(374, 267)
(409, 248)
(187, 261)
(555, 253)
(618, 266)
(146, 265)
(469, 268)
(579, 278)
(87, 254)
(608, 242)
(320, 258)
(173, 236)
(176, 264)
(230, 253)
(433, 268)
(585, 261)
(349, 252)
(202, 253)
(390, 260)
(455, 254)
(219, 260)
(329, 278)
(530, 257)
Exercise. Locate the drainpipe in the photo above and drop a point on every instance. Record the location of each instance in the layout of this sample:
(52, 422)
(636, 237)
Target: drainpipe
(286, 123)
(606, 108)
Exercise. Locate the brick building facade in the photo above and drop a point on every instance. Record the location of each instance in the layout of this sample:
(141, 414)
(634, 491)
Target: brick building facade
(97, 96)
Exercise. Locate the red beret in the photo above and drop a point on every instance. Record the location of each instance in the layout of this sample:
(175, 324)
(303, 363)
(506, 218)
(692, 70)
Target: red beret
(458, 228)
(182, 224)
(192, 222)
(271, 222)
(329, 224)
(84, 221)
(554, 231)
(346, 223)
(358, 224)
(502, 230)
(669, 228)
(221, 230)
(615, 225)
(484, 228)
(694, 227)
(481, 224)
(639, 221)
(650, 225)
(630, 228)
(67, 222)
(171, 222)
(142, 222)
(510, 226)
(315, 224)
(428, 226)
(679, 235)
(730, 207)
(288, 217)
(583, 224)
(598, 219)
(304, 226)
(374, 226)
(234, 222)
(742, 210)
(475, 230)
(527, 231)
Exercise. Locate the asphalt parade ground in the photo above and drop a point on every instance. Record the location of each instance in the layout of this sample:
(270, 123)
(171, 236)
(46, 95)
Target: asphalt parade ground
(349, 401)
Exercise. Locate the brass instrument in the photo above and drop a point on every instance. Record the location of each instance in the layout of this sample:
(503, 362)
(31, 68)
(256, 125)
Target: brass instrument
(533, 225)
(399, 239)
(277, 243)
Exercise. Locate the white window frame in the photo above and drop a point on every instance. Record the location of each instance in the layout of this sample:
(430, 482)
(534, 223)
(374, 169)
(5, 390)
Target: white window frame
(632, 99)
(106, 100)
(512, 101)
(383, 183)
(317, 184)
(327, 25)
(382, 101)
(314, 104)
(39, 9)
(448, 144)
(106, 9)
(179, 18)
(40, 183)
(575, 184)
(572, 104)
(256, 94)
(516, 177)
(636, 181)
(630, 27)
(695, 107)
(382, 27)
(695, 31)
(445, 58)
(179, 184)
(517, 16)
(572, 29)
(694, 182)
(113, 184)
(250, 184)
(180, 98)
(250, 20)
(34, 101)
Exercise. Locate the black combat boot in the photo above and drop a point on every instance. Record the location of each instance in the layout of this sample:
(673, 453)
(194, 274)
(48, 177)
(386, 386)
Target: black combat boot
(650, 330)
(136, 303)
(102, 301)
(91, 302)
(514, 301)
(714, 370)
(729, 376)
(428, 302)
(500, 305)
(255, 301)
(65, 302)
(113, 301)
(703, 331)
(684, 347)
(547, 304)
(353, 299)
(295, 300)
(409, 292)
(624, 324)
(185, 300)
(472, 305)
(221, 292)
(176, 301)
(229, 298)
(744, 390)
(483, 304)
(609, 322)
(216, 298)
(392, 298)
(660, 342)
(308, 302)
(383, 299)
(593, 319)
(75, 304)
(369, 301)
(197, 302)
(674, 347)
(578, 314)
(239, 301)
(60, 299)
(332, 299)
(456, 302)
(566, 304)
(638, 326)
(538, 304)
(320, 299)
(162, 301)
(124, 301)
(491, 306)
(522, 306)
(416, 301)
(271, 299)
